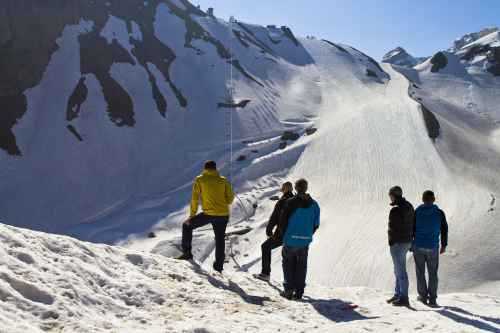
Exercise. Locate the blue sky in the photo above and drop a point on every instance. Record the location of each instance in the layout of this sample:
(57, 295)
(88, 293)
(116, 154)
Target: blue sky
(375, 26)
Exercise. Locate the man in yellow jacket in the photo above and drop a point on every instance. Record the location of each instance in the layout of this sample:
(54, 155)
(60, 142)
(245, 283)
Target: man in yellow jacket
(216, 196)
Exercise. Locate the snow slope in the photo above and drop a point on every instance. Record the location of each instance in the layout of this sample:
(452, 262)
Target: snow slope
(58, 284)
(110, 141)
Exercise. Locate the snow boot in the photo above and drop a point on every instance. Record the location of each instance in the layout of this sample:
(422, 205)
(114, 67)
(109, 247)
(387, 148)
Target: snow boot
(392, 299)
(297, 297)
(263, 277)
(433, 304)
(288, 294)
(403, 301)
(422, 300)
(217, 268)
(185, 256)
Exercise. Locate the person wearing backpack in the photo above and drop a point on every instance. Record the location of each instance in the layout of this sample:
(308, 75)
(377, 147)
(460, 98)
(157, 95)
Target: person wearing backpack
(299, 221)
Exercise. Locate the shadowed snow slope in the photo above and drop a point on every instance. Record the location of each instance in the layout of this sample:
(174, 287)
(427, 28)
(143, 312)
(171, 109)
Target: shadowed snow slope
(58, 284)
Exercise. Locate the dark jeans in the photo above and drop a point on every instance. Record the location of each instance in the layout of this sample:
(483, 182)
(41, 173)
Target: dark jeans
(295, 268)
(427, 258)
(269, 245)
(219, 224)
(398, 254)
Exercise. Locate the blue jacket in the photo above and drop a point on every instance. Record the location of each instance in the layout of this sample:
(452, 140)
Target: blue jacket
(300, 220)
(430, 223)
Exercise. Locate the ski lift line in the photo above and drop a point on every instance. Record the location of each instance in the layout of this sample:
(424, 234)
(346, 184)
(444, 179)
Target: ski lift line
(229, 116)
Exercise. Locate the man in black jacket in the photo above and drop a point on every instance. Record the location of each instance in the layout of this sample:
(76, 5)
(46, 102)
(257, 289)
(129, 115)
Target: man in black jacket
(401, 221)
(274, 239)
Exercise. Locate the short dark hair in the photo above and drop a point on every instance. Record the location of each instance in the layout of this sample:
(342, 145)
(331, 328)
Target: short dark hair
(210, 165)
(301, 185)
(396, 191)
(428, 196)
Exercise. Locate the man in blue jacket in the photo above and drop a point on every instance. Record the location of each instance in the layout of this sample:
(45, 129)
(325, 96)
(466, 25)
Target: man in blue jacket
(299, 221)
(430, 223)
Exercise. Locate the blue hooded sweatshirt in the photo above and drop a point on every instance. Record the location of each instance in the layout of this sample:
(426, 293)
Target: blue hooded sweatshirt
(430, 223)
(302, 222)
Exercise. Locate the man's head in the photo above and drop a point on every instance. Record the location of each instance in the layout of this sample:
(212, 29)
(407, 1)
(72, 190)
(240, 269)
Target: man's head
(210, 165)
(428, 197)
(287, 188)
(395, 193)
(301, 186)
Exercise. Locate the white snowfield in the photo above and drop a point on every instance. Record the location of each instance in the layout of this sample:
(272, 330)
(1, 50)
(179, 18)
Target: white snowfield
(58, 284)
(360, 131)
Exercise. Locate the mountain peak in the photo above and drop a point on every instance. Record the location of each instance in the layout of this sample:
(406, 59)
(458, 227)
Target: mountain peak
(400, 57)
(471, 38)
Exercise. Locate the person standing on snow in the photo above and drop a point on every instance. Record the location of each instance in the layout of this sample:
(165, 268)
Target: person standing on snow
(298, 222)
(274, 240)
(216, 196)
(430, 223)
(401, 221)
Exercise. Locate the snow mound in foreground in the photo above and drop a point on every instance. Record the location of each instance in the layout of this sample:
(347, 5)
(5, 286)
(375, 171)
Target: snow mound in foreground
(53, 283)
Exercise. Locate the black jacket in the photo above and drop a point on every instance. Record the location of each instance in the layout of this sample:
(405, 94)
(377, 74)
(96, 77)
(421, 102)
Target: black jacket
(275, 216)
(290, 206)
(401, 222)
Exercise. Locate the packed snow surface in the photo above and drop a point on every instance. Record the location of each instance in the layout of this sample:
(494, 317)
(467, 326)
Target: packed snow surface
(58, 284)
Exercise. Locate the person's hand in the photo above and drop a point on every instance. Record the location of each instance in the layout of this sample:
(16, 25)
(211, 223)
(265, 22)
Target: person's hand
(443, 250)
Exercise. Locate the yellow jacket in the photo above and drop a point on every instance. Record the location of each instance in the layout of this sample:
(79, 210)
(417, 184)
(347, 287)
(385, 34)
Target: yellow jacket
(216, 194)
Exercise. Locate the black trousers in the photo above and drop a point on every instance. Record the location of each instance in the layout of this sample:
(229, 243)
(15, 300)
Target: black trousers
(219, 224)
(266, 247)
(295, 268)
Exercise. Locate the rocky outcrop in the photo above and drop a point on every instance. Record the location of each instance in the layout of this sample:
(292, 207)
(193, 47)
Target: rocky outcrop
(28, 33)
(439, 61)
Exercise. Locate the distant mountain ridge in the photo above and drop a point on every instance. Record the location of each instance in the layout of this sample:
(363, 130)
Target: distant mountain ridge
(400, 57)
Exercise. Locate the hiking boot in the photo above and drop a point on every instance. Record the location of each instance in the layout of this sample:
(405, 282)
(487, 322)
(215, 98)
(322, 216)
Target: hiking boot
(217, 268)
(185, 256)
(433, 304)
(403, 301)
(263, 277)
(422, 300)
(288, 294)
(297, 297)
(392, 299)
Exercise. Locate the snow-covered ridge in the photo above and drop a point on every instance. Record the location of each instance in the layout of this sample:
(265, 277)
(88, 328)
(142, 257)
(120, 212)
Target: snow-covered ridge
(58, 284)
(400, 57)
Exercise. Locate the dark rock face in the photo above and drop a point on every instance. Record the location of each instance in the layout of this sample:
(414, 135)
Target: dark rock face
(12, 108)
(97, 57)
(28, 33)
(290, 136)
(311, 130)
(371, 73)
(73, 131)
(438, 61)
(76, 100)
(431, 122)
(241, 104)
(492, 54)
(494, 59)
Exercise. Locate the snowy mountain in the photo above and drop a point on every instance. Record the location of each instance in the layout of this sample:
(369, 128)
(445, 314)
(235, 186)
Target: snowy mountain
(58, 284)
(111, 109)
(400, 57)
(470, 38)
